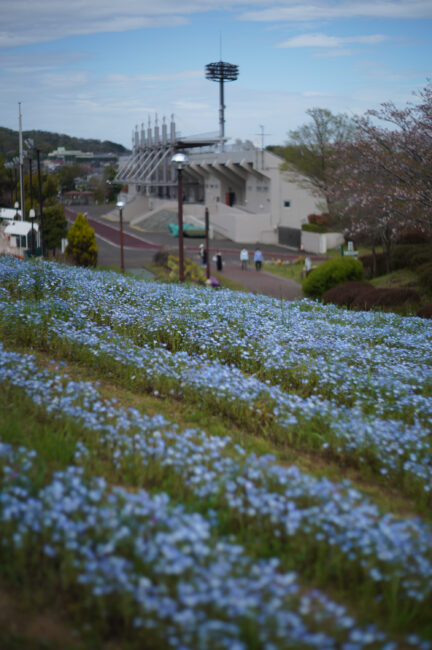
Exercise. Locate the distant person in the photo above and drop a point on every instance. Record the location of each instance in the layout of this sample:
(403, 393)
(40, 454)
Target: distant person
(307, 265)
(203, 255)
(258, 259)
(244, 259)
(219, 262)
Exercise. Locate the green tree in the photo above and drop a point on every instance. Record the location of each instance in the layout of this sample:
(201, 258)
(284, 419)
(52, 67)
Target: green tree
(67, 175)
(309, 150)
(112, 189)
(55, 227)
(82, 245)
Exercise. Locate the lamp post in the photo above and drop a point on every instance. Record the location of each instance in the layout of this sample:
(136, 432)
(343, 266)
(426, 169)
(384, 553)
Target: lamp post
(16, 206)
(42, 230)
(32, 215)
(121, 205)
(207, 226)
(179, 160)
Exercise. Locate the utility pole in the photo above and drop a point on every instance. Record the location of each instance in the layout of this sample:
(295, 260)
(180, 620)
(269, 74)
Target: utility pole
(21, 161)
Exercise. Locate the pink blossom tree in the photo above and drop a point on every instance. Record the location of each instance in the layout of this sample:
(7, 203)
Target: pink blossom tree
(384, 184)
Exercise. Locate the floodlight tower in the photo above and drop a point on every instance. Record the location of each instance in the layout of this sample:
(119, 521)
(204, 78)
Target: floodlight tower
(221, 71)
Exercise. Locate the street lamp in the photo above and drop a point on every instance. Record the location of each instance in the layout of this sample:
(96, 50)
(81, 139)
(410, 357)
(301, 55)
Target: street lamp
(121, 205)
(16, 206)
(32, 215)
(179, 160)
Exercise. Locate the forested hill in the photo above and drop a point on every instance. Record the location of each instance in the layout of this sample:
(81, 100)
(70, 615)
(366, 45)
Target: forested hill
(47, 141)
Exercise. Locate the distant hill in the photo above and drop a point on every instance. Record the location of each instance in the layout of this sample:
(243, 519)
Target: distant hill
(47, 141)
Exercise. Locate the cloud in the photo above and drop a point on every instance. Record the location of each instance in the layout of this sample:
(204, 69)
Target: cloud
(325, 10)
(322, 40)
(25, 22)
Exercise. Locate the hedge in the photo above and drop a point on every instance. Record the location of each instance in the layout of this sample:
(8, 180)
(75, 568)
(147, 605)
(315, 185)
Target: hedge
(331, 273)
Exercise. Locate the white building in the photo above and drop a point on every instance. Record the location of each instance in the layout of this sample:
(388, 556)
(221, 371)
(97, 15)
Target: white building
(249, 198)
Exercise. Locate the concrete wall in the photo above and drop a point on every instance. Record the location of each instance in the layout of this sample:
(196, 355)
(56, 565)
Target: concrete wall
(242, 226)
(320, 243)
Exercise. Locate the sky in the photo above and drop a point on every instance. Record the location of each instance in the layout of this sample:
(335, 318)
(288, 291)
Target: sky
(98, 68)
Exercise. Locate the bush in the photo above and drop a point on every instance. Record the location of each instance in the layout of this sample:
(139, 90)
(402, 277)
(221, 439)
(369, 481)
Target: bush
(411, 255)
(381, 264)
(344, 294)
(314, 227)
(160, 258)
(319, 219)
(192, 272)
(424, 273)
(397, 297)
(425, 311)
(82, 245)
(331, 273)
(412, 236)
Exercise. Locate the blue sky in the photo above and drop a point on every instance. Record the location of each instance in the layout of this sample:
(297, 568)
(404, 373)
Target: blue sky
(97, 68)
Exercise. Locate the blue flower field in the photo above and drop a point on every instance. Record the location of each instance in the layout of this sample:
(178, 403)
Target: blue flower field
(293, 510)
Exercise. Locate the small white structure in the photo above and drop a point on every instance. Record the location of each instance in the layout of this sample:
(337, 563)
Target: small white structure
(19, 236)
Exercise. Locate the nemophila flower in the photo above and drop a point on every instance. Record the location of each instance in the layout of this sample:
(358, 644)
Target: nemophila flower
(252, 486)
(227, 385)
(192, 590)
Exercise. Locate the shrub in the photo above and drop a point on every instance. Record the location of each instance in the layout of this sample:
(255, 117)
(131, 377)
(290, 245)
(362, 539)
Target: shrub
(425, 275)
(381, 264)
(425, 311)
(82, 245)
(319, 219)
(160, 258)
(331, 273)
(397, 297)
(411, 255)
(413, 236)
(192, 272)
(344, 294)
(314, 227)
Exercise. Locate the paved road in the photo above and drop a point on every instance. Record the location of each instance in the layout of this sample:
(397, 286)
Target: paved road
(140, 247)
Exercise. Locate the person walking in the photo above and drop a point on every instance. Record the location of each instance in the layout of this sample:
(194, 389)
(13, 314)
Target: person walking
(244, 259)
(258, 259)
(219, 262)
(203, 255)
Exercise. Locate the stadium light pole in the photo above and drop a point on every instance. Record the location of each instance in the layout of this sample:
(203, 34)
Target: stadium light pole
(179, 160)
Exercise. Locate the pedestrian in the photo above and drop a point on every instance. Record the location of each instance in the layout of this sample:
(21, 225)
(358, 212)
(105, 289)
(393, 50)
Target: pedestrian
(219, 262)
(258, 259)
(203, 255)
(307, 265)
(244, 259)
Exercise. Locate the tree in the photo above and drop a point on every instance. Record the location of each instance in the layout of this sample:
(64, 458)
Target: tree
(82, 245)
(67, 175)
(55, 227)
(385, 179)
(402, 152)
(309, 150)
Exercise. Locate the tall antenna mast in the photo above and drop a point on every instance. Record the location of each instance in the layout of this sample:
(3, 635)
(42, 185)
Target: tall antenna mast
(262, 134)
(221, 72)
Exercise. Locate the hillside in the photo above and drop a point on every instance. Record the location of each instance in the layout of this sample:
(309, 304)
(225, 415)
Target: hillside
(194, 469)
(47, 141)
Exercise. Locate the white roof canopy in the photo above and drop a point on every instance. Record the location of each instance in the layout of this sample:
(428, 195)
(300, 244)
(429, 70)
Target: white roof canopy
(20, 228)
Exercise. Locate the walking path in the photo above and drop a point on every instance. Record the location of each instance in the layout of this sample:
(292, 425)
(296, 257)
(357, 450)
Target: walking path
(139, 251)
(263, 282)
